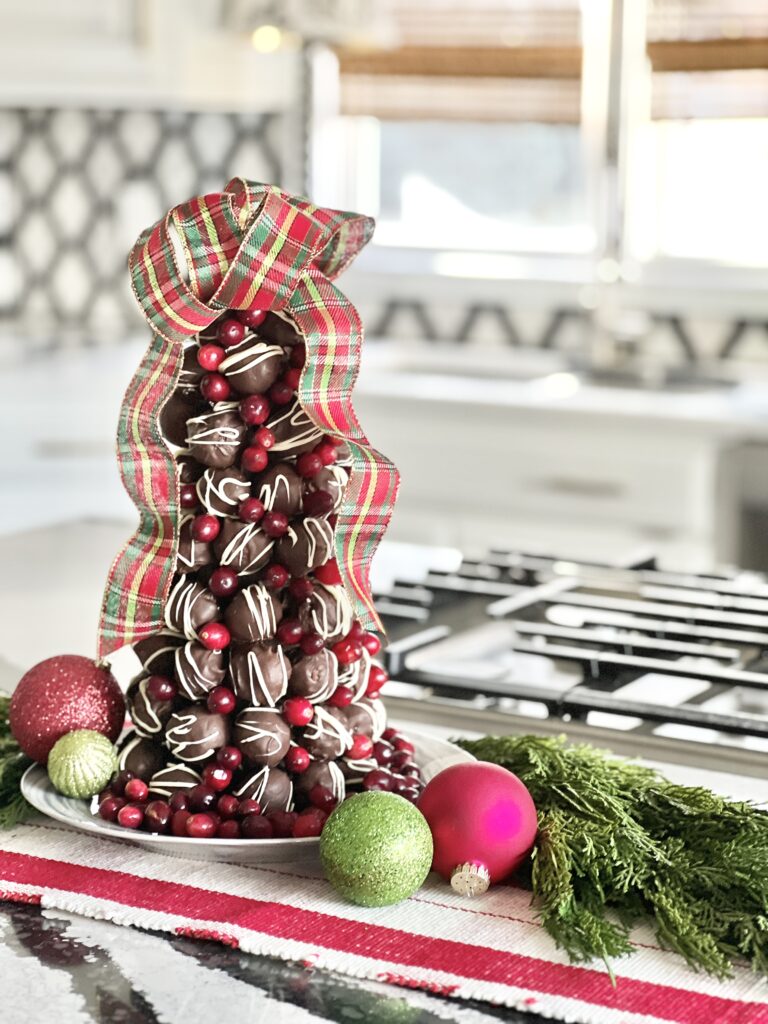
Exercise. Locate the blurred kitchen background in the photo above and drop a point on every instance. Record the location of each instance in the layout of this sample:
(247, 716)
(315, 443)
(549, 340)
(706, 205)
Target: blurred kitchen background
(566, 305)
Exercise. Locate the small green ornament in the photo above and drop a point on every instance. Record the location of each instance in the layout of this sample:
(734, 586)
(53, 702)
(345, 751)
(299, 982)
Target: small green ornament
(376, 848)
(81, 763)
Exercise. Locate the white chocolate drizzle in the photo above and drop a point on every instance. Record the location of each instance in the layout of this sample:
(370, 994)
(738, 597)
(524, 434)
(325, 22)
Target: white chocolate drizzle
(298, 428)
(144, 714)
(261, 607)
(355, 676)
(236, 552)
(172, 778)
(177, 736)
(252, 678)
(330, 611)
(247, 355)
(324, 724)
(197, 678)
(252, 728)
(319, 540)
(221, 490)
(181, 603)
(256, 786)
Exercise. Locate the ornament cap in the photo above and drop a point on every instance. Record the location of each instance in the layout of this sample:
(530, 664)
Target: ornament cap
(470, 879)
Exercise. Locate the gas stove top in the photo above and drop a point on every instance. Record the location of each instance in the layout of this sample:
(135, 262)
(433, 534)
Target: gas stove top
(648, 662)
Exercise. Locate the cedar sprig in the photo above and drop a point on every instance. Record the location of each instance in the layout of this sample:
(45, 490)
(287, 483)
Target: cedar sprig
(13, 807)
(618, 842)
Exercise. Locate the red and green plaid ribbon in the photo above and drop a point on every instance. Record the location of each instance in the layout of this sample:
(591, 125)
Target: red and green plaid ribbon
(249, 247)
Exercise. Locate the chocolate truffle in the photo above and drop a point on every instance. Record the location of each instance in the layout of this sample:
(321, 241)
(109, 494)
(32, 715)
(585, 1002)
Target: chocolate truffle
(214, 438)
(198, 670)
(315, 676)
(367, 716)
(327, 611)
(331, 479)
(174, 778)
(259, 673)
(195, 734)
(148, 715)
(156, 652)
(174, 416)
(188, 469)
(140, 755)
(280, 330)
(279, 489)
(321, 773)
(327, 736)
(192, 554)
(191, 372)
(221, 490)
(355, 771)
(243, 547)
(189, 606)
(263, 736)
(307, 544)
(253, 366)
(355, 676)
(272, 787)
(294, 431)
(253, 614)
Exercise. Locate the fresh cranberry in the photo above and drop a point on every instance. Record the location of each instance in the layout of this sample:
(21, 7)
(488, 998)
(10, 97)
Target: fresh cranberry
(251, 510)
(179, 822)
(223, 582)
(254, 459)
(201, 798)
(228, 829)
(256, 826)
(411, 769)
(275, 576)
(328, 573)
(357, 632)
(179, 802)
(109, 808)
(215, 636)
(251, 317)
(327, 453)
(376, 679)
(317, 503)
(410, 793)
(230, 332)
(255, 410)
(399, 759)
(130, 816)
(372, 694)
(282, 823)
(292, 377)
(265, 438)
(298, 354)
(275, 524)
(200, 826)
(403, 744)
(210, 356)
(280, 393)
(371, 643)
(246, 807)
(308, 464)
(383, 752)
(298, 711)
(360, 748)
(160, 688)
(297, 760)
(226, 806)
(221, 701)
(311, 643)
(347, 651)
(205, 528)
(216, 777)
(378, 779)
(341, 697)
(136, 790)
(188, 496)
(157, 817)
(105, 794)
(289, 632)
(337, 442)
(229, 757)
(301, 588)
(309, 823)
(322, 797)
(389, 733)
(215, 387)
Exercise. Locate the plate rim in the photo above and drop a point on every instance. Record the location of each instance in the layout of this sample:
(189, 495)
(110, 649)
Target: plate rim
(36, 776)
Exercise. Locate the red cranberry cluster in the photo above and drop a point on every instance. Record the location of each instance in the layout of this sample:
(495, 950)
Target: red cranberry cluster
(237, 426)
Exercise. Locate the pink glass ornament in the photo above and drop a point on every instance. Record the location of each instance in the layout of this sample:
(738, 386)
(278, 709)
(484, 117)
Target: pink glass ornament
(483, 824)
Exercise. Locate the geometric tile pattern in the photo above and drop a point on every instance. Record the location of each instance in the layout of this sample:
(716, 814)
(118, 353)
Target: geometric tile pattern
(76, 188)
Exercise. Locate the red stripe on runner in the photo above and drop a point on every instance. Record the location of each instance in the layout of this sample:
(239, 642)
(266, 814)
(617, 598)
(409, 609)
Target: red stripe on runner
(376, 942)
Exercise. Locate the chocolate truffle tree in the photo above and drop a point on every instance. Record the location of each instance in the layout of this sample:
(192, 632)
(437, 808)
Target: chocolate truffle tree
(244, 593)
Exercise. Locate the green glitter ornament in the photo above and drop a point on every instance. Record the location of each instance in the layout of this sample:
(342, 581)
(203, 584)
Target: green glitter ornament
(81, 763)
(376, 849)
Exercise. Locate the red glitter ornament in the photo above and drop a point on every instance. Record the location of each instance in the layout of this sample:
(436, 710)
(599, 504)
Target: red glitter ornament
(59, 695)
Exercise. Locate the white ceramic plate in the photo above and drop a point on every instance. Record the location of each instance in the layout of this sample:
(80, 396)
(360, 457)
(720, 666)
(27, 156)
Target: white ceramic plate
(432, 755)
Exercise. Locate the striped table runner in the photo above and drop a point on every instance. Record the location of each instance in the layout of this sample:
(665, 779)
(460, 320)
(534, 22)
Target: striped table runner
(491, 948)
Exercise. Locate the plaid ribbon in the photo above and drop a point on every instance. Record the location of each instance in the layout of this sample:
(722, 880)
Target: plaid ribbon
(248, 247)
